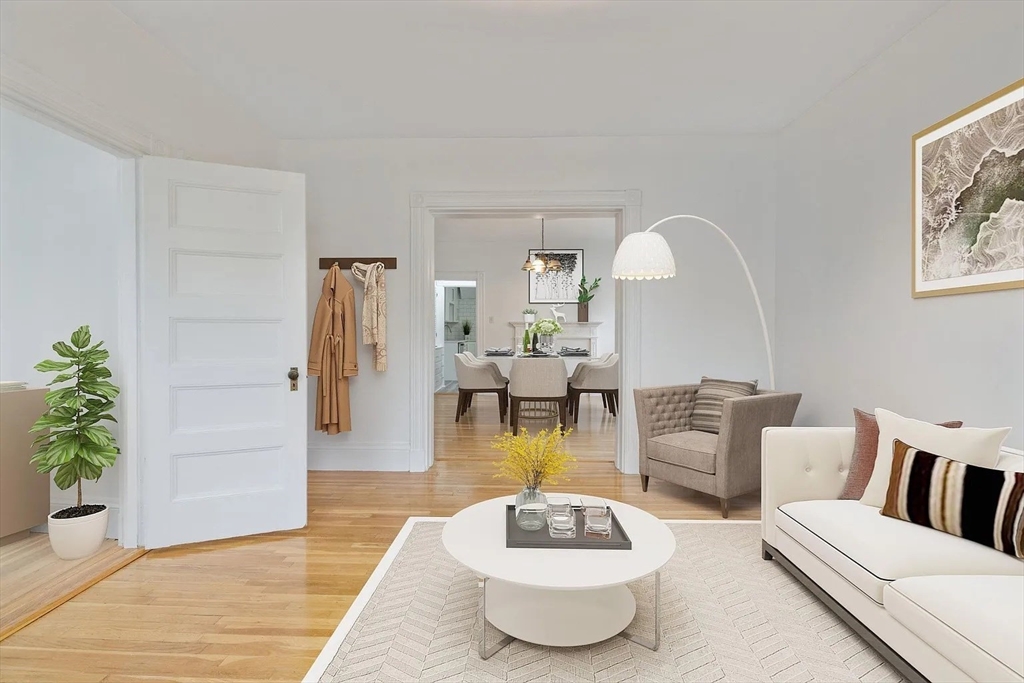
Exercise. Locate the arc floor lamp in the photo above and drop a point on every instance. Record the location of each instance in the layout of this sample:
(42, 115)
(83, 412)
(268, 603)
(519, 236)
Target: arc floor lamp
(646, 256)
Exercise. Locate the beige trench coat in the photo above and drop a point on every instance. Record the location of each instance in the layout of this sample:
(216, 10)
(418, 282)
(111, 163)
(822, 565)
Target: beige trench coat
(332, 353)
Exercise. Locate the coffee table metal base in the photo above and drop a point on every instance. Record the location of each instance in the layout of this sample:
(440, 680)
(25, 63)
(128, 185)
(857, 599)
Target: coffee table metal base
(560, 618)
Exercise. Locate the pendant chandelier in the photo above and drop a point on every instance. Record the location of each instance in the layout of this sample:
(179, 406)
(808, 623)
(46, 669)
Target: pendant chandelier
(542, 262)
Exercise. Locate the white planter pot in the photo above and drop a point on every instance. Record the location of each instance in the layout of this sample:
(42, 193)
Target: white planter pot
(529, 318)
(79, 537)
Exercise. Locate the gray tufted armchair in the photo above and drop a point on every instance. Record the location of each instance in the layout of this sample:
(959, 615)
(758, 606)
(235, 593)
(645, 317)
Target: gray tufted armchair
(726, 464)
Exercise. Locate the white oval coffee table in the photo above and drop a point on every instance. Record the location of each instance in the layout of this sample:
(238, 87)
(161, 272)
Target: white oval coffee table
(558, 597)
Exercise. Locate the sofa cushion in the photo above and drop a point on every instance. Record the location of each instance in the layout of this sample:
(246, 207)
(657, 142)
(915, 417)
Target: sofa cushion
(692, 449)
(865, 450)
(870, 550)
(977, 503)
(971, 445)
(977, 622)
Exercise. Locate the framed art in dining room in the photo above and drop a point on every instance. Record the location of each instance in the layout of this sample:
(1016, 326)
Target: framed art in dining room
(556, 287)
(968, 199)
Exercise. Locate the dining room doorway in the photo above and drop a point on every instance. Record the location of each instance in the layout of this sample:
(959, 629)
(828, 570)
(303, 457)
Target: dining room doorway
(490, 241)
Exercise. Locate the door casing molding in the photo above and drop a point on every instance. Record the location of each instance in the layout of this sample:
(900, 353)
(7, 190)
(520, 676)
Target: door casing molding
(624, 205)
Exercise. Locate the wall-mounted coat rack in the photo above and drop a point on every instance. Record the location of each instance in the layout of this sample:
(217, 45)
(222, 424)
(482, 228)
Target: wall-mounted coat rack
(390, 263)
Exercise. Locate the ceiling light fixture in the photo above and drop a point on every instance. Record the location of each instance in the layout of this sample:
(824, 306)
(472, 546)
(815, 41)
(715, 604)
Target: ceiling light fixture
(542, 262)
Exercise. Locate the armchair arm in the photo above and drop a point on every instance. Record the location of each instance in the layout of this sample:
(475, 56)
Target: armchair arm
(738, 455)
(662, 410)
(801, 463)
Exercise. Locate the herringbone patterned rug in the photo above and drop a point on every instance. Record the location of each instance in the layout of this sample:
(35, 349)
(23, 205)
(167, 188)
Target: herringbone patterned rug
(727, 615)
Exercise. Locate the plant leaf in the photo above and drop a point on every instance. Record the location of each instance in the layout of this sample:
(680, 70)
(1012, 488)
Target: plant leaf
(81, 337)
(48, 420)
(99, 435)
(63, 377)
(65, 351)
(67, 475)
(53, 365)
(97, 372)
(56, 397)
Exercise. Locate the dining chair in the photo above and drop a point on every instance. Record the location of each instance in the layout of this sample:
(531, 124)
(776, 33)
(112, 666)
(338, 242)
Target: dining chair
(543, 380)
(601, 377)
(479, 378)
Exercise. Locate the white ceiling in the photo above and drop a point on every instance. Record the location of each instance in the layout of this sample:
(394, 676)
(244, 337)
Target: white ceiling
(529, 68)
(558, 230)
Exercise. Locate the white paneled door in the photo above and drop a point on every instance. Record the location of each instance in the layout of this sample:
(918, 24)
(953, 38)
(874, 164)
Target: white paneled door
(222, 310)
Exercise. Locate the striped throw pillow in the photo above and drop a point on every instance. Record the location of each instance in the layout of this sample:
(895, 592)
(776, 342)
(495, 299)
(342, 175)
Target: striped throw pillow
(711, 395)
(980, 504)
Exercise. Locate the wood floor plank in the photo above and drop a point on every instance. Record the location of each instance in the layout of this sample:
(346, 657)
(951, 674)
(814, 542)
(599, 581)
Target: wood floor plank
(35, 581)
(261, 608)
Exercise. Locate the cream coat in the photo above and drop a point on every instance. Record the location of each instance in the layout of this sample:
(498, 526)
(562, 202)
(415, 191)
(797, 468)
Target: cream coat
(375, 311)
(332, 352)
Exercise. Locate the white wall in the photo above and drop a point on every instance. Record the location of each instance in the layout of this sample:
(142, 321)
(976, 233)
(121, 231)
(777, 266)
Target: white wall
(500, 256)
(92, 49)
(59, 203)
(849, 332)
(703, 321)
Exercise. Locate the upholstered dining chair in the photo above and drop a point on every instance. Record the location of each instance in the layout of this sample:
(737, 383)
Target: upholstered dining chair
(479, 378)
(601, 377)
(725, 464)
(543, 380)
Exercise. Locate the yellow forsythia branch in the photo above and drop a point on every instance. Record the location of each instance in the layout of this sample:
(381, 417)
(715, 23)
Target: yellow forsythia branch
(534, 460)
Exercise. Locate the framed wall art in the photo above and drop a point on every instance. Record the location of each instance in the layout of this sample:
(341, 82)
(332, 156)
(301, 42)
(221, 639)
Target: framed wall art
(968, 199)
(556, 287)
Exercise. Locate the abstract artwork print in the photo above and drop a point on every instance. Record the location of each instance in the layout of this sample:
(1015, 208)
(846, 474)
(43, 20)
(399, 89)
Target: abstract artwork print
(968, 190)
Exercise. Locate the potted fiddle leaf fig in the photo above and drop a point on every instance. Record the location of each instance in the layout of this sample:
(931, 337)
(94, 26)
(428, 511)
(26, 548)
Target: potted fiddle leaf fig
(75, 445)
(585, 296)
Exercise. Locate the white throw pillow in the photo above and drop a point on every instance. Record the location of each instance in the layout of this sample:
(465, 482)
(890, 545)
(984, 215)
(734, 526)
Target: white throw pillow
(967, 444)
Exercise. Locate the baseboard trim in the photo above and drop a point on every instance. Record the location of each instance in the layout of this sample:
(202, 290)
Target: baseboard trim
(768, 552)
(359, 457)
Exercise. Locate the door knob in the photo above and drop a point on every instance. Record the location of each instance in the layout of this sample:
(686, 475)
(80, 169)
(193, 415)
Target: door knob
(293, 375)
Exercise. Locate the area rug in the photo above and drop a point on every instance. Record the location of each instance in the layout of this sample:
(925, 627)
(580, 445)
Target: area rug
(727, 615)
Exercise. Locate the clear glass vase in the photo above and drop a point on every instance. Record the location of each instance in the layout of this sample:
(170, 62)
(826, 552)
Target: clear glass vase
(531, 509)
(546, 342)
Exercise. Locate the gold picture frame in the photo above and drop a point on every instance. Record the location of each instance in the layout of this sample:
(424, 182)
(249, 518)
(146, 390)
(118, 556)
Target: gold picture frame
(938, 259)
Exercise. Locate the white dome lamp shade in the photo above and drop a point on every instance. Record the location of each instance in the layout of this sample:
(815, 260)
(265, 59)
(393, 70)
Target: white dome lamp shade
(643, 256)
(646, 256)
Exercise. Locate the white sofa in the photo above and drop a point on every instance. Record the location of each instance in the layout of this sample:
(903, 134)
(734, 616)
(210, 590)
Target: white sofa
(938, 607)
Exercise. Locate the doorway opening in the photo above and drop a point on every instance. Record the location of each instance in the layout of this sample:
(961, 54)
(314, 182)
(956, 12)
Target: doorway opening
(456, 318)
(464, 230)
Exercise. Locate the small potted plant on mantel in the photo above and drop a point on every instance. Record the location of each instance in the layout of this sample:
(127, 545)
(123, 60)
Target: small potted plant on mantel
(75, 444)
(529, 315)
(583, 299)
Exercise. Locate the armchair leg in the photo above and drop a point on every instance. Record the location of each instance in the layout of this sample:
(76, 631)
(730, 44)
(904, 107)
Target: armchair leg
(604, 400)
(576, 395)
(724, 502)
(643, 482)
(563, 407)
(458, 408)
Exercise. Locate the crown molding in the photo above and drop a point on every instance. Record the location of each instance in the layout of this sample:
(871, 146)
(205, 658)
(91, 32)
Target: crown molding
(31, 93)
(530, 200)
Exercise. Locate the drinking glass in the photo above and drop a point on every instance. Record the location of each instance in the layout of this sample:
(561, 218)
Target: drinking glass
(561, 517)
(597, 516)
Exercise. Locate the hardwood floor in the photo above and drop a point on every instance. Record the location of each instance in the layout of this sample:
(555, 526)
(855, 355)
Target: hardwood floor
(35, 581)
(261, 608)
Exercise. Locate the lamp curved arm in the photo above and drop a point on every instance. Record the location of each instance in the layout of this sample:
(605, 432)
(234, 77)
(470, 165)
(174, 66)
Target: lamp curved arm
(750, 281)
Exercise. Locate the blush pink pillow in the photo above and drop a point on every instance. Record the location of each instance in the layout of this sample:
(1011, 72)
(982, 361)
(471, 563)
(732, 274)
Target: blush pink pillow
(865, 450)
